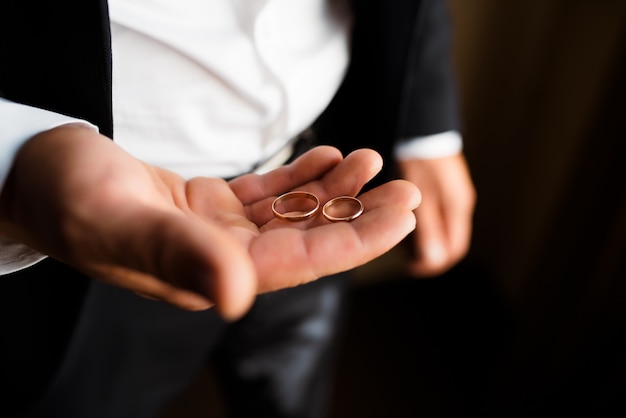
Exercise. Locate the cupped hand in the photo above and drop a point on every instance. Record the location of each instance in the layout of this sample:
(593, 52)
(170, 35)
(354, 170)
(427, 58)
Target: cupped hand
(76, 196)
(443, 231)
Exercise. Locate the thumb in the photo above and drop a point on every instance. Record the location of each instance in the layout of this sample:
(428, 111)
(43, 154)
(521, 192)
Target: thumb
(171, 257)
(206, 259)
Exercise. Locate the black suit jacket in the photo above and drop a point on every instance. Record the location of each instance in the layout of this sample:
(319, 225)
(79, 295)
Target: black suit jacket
(56, 55)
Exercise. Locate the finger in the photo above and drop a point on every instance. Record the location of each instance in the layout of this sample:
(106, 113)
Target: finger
(308, 167)
(184, 252)
(401, 193)
(287, 257)
(398, 193)
(349, 177)
(459, 227)
(212, 263)
(149, 287)
(430, 252)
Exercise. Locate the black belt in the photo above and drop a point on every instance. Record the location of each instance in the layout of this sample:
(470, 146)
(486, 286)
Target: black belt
(296, 146)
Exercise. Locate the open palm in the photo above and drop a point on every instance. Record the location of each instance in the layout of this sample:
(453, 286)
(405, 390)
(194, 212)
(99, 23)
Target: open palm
(199, 242)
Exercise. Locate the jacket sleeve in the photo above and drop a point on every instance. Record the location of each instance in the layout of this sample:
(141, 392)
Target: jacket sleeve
(400, 84)
(428, 95)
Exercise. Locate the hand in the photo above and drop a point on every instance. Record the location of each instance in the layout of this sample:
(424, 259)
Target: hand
(76, 196)
(444, 219)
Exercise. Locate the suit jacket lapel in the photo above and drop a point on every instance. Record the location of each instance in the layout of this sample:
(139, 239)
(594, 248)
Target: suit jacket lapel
(58, 61)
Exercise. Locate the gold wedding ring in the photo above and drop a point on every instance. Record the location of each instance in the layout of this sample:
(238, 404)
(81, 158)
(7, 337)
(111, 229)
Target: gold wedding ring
(295, 206)
(342, 208)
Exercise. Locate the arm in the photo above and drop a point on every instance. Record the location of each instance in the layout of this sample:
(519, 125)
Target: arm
(432, 160)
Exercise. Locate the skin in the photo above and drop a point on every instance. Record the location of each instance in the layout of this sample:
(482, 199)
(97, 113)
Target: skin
(76, 196)
(444, 218)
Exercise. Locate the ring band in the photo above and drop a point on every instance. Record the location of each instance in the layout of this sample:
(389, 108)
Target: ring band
(295, 215)
(353, 201)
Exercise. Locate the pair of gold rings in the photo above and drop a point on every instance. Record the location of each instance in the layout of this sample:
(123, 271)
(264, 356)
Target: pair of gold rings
(299, 206)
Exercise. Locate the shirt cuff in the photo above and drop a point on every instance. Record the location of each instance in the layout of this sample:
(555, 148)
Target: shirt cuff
(19, 123)
(440, 145)
(15, 256)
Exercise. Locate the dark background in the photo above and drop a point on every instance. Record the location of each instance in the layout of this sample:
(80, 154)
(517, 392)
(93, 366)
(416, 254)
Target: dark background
(533, 322)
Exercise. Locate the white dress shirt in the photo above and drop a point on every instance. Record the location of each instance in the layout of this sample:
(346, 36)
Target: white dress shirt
(236, 79)
(210, 88)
